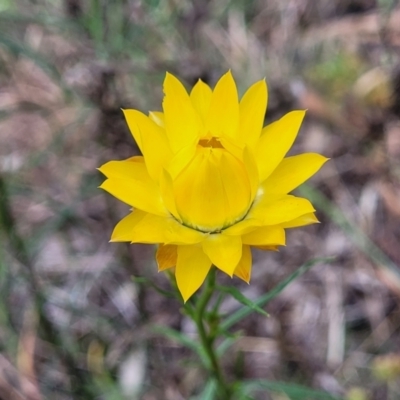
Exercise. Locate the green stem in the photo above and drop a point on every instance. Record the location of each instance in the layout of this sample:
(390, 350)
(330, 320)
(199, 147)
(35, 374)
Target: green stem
(207, 338)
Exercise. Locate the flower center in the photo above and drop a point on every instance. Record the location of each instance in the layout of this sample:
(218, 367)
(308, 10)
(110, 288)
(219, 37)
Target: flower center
(213, 191)
(211, 142)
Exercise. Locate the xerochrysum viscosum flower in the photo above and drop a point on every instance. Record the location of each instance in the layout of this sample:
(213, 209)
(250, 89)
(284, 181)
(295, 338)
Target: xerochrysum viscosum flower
(212, 181)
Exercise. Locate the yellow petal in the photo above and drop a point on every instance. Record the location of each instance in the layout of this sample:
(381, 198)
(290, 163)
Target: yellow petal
(136, 131)
(279, 211)
(125, 169)
(158, 118)
(252, 170)
(151, 140)
(130, 183)
(201, 99)
(275, 141)
(268, 248)
(243, 269)
(252, 113)
(141, 227)
(191, 269)
(223, 116)
(242, 227)
(265, 236)
(233, 146)
(306, 219)
(180, 160)
(224, 251)
(182, 123)
(123, 230)
(292, 172)
(166, 256)
(167, 194)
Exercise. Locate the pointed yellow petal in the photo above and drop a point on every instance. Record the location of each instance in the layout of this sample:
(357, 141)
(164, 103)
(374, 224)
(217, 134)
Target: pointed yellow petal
(279, 211)
(306, 219)
(252, 113)
(136, 131)
(233, 146)
(243, 269)
(268, 248)
(265, 236)
(201, 99)
(224, 251)
(167, 194)
(123, 230)
(166, 256)
(130, 183)
(292, 172)
(151, 140)
(252, 170)
(191, 269)
(242, 227)
(158, 118)
(180, 160)
(141, 227)
(223, 116)
(182, 123)
(126, 169)
(140, 126)
(275, 141)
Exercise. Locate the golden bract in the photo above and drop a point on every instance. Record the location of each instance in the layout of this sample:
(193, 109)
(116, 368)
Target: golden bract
(212, 181)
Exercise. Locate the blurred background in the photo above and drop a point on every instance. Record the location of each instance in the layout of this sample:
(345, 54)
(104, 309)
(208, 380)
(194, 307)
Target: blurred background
(73, 322)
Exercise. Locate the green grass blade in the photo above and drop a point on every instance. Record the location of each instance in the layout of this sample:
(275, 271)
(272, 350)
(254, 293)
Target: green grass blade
(209, 392)
(22, 50)
(263, 300)
(293, 391)
(237, 295)
(359, 238)
(183, 340)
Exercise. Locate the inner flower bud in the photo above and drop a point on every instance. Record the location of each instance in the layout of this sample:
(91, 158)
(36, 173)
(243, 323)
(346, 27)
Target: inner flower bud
(211, 142)
(213, 191)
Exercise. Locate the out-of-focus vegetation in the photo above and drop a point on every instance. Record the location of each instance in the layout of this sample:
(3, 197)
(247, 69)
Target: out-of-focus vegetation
(73, 322)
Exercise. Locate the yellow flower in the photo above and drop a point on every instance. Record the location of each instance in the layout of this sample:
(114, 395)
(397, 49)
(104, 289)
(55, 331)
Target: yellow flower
(212, 181)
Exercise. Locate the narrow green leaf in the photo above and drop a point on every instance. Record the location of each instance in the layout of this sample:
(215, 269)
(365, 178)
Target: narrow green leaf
(237, 295)
(209, 392)
(227, 344)
(359, 238)
(263, 300)
(144, 281)
(183, 340)
(240, 395)
(176, 337)
(294, 391)
(21, 50)
(50, 69)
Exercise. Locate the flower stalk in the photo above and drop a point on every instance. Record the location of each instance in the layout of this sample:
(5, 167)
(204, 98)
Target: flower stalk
(206, 330)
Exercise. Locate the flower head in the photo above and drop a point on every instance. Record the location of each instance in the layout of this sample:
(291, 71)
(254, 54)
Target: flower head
(212, 181)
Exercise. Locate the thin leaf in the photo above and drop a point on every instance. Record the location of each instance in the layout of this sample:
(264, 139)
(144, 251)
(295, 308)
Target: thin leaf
(227, 344)
(183, 340)
(295, 392)
(22, 50)
(237, 295)
(144, 281)
(209, 392)
(263, 300)
(359, 238)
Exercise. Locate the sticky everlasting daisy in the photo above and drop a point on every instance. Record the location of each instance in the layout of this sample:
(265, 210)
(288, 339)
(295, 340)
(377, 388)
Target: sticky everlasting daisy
(212, 182)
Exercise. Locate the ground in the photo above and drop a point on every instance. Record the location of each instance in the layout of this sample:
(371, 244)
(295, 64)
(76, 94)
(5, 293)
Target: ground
(74, 321)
